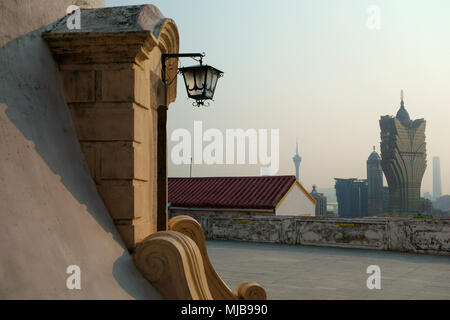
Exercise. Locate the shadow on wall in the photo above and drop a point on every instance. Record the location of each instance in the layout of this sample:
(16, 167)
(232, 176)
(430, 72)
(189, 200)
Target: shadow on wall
(31, 89)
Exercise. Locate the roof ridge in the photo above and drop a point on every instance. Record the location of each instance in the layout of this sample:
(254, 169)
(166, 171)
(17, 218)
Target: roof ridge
(216, 177)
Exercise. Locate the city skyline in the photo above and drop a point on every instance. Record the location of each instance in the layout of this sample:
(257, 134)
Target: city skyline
(310, 69)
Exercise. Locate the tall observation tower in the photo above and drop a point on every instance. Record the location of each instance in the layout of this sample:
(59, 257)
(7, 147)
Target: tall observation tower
(297, 159)
(403, 154)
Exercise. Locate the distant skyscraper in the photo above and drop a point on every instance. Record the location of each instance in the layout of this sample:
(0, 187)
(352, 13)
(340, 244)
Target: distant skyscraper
(437, 188)
(352, 197)
(297, 159)
(321, 206)
(386, 204)
(427, 195)
(403, 154)
(374, 184)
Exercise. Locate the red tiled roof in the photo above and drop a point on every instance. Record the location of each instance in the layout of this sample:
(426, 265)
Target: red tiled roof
(259, 192)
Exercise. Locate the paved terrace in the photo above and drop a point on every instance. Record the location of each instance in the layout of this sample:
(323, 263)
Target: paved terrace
(308, 272)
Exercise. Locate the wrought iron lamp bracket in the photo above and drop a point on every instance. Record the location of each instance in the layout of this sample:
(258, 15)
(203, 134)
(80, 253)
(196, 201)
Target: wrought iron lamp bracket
(195, 56)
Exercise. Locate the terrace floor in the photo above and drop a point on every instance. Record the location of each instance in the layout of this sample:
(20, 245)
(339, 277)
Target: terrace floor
(307, 272)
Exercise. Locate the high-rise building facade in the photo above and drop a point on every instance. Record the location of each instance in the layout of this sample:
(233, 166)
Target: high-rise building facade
(297, 159)
(437, 187)
(321, 206)
(351, 197)
(374, 184)
(386, 204)
(403, 159)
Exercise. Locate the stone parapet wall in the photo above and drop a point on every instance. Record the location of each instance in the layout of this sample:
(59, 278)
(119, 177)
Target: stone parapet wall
(391, 234)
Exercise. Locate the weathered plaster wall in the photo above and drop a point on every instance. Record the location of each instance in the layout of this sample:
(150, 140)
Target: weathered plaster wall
(394, 234)
(18, 17)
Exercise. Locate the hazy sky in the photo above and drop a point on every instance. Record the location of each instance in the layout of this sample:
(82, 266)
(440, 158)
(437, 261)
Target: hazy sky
(314, 70)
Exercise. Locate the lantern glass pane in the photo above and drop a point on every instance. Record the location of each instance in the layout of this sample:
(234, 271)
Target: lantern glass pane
(200, 78)
(189, 79)
(209, 93)
(194, 77)
(214, 81)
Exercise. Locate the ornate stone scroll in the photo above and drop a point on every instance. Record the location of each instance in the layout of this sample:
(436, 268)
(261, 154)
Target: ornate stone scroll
(219, 290)
(248, 290)
(172, 263)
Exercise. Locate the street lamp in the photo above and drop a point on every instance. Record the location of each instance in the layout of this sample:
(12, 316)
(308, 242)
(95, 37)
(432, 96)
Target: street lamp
(200, 80)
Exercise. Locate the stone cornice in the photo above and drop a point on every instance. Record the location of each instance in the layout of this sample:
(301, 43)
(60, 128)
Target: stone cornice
(100, 47)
